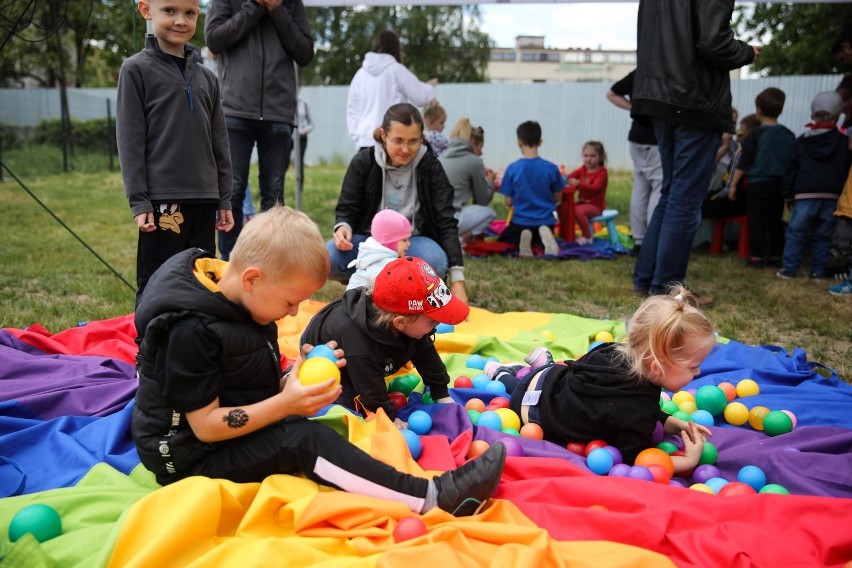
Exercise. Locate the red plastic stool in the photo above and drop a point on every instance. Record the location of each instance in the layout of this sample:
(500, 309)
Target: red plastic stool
(718, 239)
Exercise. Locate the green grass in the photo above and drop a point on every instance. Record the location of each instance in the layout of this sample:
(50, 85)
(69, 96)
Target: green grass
(50, 278)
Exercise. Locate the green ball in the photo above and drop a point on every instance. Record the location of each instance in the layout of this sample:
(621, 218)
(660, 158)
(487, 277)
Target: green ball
(427, 398)
(776, 422)
(473, 415)
(667, 447)
(774, 488)
(685, 416)
(404, 384)
(712, 399)
(709, 454)
(670, 407)
(510, 431)
(41, 520)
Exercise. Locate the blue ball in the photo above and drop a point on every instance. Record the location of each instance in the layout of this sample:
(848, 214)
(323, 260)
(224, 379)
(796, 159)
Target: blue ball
(495, 386)
(476, 361)
(703, 417)
(419, 422)
(480, 381)
(490, 419)
(753, 476)
(492, 358)
(322, 350)
(716, 483)
(599, 461)
(413, 442)
(445, 328)
(595, 344)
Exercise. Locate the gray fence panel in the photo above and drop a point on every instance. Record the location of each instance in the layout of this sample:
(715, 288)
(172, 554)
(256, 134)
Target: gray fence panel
(569, 113)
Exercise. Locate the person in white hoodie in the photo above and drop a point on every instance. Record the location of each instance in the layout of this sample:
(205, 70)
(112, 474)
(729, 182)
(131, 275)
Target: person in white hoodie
(382, 81)
(391, 237)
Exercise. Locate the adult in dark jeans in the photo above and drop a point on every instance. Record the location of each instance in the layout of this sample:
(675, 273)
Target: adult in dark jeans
(686, 49)
(257, 43)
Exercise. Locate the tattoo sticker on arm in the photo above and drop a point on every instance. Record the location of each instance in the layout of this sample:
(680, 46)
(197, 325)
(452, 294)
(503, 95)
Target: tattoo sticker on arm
(237, 418)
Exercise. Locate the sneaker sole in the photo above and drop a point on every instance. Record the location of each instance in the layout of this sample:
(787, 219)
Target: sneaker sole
(550, 246)
(525, 246)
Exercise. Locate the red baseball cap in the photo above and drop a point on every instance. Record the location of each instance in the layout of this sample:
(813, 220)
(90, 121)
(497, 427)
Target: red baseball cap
(409, 286)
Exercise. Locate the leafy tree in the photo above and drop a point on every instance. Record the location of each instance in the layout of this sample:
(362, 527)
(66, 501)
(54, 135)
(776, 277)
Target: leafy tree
(796, 38)
(437, 41)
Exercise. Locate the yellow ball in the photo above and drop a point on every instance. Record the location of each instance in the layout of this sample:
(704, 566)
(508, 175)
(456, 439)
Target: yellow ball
(604, 336)
(736, 413)
(702, 488)
(688, 406)
(747, 387)
(318, 370)
(681, 396)
(755, 417)
(509, 418)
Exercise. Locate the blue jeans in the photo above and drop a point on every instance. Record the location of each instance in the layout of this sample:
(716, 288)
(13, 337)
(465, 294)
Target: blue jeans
(687, 155)
(273, 141)
(422, 247)
(812, 223)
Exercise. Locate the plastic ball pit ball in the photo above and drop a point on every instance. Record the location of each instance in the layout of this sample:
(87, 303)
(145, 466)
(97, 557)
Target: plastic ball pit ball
(511, 432)
(398, 399)
(776, 422)
(509, 418)
(490, 419)
(523, 372)
(412, 440)
(709, 454)
(578, 448)
(774, 488)
(658, 434)
(756, 416)
(477, 448)
(729, 390)
(688, 406)
(616, 454)
(532, 431)
(747, 387)
(619, 470)
(322, 350)
(475, 404)
(408, 528)
(445, 328)
(319, 370)
(498, 402)
(736, 488)
(669, 407)
(736, 414)
(704, 472)
(473, 415)
(703, 417)
(640, 472)
(680, 396)
(404, 384)
(513, 447)
(495, 386)
(475, 362)
(712, 399)
(752, 476)
(420, 422)
(702, 488)
(42, 521)
(660, 473)
(592, 445)
(655, 456)
(462, 382)
(604, 336)
(594, 344)
(791, 415)
(667, 447)
(481, 381)
(599, 461)
(716, 483)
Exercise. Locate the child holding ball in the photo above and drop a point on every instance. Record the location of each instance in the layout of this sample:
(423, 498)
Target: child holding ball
(384, 327)
(212, 401)
(613, 392)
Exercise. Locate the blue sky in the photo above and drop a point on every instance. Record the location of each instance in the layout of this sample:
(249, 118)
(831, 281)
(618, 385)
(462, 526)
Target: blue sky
(609, 25)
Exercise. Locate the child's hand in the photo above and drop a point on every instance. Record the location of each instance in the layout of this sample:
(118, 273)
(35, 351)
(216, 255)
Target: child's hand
(693, 444)
(445, 400)
(145, 222)
(338, 353)
(573, 181)
(400, 424)
(226, 220)
(306, 400)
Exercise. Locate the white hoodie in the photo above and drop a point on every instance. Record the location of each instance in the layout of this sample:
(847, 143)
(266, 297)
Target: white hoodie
(372, 257)
(380, 83)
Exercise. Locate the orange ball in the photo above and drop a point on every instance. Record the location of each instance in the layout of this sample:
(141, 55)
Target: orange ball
(477, 448)
(729, 390)
(532, 431)
(475, 404)
(656, 456)
(756, 415)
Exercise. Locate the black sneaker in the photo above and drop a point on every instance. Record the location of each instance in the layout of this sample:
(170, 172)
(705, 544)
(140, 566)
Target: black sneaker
(466, 490)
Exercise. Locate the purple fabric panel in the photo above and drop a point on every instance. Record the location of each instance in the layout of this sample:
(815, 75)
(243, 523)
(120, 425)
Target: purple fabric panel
(50, 386)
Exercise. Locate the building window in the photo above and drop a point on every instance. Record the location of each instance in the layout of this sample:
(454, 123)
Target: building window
(502, 56)
(541, 57)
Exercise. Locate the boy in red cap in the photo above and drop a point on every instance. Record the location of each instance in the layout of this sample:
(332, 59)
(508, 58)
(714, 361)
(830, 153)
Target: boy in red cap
(391, 237)
(384, 327)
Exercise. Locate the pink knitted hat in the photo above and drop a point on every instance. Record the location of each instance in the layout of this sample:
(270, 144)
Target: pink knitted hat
(390, 227)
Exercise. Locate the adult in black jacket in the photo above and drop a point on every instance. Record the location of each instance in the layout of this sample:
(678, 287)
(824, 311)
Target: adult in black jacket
(685, 54)
(400, 173)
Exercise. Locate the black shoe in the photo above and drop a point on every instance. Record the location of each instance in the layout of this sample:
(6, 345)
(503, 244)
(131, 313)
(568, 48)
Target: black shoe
(635, 251)
(464, 491)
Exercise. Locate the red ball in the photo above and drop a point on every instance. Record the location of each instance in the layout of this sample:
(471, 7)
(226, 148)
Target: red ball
(498, 402)
(735, 488)
(463, 382)
(660, 473)
(592, 445)
(408, 528)
(398, 399)
(578, 448)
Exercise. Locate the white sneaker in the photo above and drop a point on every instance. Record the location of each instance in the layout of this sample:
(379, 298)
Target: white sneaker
(525, 246)
(547, 238)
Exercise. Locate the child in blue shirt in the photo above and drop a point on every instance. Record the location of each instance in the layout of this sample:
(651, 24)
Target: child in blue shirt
(532, 186)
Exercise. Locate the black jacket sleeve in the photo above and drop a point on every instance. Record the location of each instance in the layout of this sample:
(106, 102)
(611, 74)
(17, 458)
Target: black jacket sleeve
(432, 370)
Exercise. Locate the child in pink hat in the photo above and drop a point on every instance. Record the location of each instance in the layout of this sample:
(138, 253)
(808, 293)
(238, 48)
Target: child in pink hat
(391, 237)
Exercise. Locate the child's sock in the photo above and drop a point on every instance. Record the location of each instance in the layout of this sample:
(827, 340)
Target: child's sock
(431, 499)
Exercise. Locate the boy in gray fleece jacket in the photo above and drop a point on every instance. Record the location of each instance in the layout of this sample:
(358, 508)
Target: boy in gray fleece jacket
(172, 141)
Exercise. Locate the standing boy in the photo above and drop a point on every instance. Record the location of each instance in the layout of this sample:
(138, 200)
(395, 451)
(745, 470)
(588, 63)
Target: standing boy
(532, 186)
(172, 141)
(766, 153)
(814, 180)
(212, 400)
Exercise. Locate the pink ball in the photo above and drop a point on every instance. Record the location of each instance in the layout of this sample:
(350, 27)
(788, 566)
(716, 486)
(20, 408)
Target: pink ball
(791, 415)
(408, 528)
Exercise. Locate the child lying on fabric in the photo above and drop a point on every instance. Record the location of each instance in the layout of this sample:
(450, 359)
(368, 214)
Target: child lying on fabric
(613, 392)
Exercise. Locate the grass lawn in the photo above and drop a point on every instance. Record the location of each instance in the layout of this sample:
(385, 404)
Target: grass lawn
(49, 277)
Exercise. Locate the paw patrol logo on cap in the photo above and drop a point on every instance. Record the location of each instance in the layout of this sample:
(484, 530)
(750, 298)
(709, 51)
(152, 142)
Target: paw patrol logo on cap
(410, 286)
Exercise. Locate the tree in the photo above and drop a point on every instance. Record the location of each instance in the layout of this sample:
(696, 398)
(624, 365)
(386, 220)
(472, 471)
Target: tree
(437, 41)
(796, 38)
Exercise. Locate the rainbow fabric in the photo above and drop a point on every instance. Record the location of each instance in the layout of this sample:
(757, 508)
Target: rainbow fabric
(65, 403)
